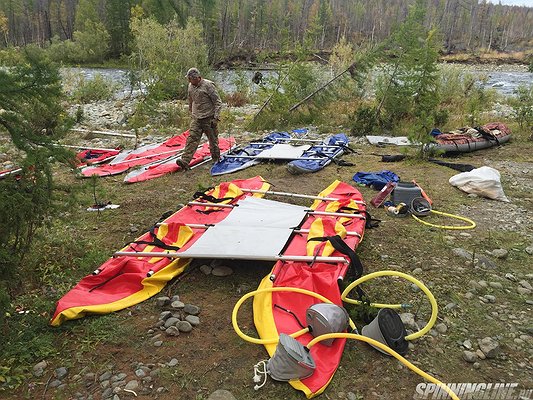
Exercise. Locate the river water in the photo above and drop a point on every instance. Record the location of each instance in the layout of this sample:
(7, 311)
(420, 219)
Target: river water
(504, 79)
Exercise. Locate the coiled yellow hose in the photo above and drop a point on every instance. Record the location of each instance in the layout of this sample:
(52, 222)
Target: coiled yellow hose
(352, 325)
(434, 307)
(471, 226)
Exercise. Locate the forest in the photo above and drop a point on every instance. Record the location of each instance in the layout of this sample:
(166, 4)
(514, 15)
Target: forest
(233, 28)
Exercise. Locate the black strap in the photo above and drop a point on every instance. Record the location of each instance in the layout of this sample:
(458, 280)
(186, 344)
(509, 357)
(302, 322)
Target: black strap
(293, 314)
(371, 222)
(156, 242)
(355, 267)
(342, 163)
(455, 166)
(209, 198)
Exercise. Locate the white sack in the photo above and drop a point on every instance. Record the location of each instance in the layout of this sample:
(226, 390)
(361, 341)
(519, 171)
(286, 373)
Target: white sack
(484, 181)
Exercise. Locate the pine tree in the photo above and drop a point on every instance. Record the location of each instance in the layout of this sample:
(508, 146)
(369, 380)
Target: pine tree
(32, 117)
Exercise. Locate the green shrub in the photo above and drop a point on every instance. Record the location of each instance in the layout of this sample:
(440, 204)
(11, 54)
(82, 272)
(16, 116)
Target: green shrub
(91, 44)
(522, 105)
(89, 90)
(63, 51)
(11, 56)
(282, 91)
(163, 53)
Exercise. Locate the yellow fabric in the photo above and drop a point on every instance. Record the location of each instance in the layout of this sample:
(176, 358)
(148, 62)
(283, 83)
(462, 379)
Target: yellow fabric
(184, 235)
(325, 193)
(266, 327)
(317, 230)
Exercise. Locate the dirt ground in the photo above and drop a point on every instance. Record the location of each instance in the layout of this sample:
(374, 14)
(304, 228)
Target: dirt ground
(213, 357)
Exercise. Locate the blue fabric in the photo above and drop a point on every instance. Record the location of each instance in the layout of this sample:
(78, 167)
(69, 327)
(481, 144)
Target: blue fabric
(377, 180)
(321, 155)
(435, 132)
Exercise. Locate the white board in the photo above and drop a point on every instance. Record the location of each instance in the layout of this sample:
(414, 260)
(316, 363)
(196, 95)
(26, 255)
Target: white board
(283, 151)
(257, 228)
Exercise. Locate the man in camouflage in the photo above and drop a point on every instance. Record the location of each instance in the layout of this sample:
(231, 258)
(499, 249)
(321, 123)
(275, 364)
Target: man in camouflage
(204, 106)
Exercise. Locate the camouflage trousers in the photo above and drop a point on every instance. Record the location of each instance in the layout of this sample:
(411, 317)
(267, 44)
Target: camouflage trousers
(196, 129)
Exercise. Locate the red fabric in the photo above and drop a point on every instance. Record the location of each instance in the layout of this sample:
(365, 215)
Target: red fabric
(166, 149)
(155, 171)
(320, 278)
(121, 277)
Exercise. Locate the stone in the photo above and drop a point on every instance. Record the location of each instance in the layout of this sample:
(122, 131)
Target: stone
(172, 331)
(164, 315)
(55, 383)
(184, 326)
(60, 372)
(486, 262)
(500, 253)
(529, 250)
(40, 365)
(450, 306)
(511, 277)
(523, 291)
(488, 298)
(489, 347)
(525, 284)
(496, 285)
(162, 301)
(408, 320)
(193, 320)
(221, 394)
(132, 385)
(191, 309)
(171, 322)
(105, 376)
(441, 328)
(177, 305)
(206, 269)
(173, 362)
(222, 271)
(469, 356)
(459, 252)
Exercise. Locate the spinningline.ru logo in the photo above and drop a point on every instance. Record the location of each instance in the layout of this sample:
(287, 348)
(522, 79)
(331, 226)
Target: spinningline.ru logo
(474, 391)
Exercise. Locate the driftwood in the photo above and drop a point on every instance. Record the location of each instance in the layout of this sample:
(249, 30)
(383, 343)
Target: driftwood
(349, 69)
(127, 135)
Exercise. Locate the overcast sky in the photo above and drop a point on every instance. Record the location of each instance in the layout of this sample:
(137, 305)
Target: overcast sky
(528, 3)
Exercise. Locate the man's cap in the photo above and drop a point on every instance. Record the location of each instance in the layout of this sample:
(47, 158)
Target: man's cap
(192, 73)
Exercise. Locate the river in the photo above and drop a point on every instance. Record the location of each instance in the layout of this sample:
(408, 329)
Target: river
(504, 79)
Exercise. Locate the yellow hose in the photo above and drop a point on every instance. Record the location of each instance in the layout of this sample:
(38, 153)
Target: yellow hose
(387, 349)
(471, 226)
(434, 307)
(250, 339)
